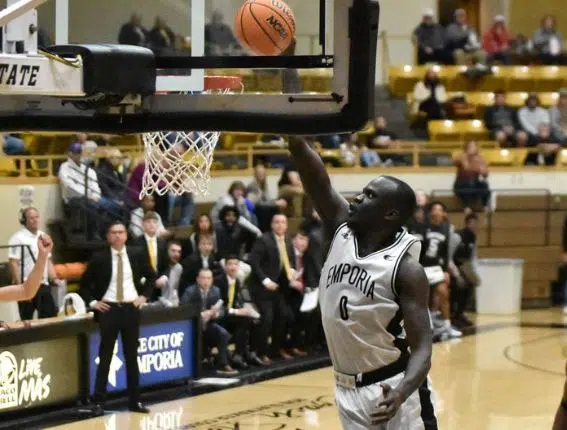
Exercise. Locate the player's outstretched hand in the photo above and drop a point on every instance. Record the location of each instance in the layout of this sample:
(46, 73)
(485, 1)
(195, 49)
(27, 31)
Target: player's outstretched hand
(44, 244)
(388, 407)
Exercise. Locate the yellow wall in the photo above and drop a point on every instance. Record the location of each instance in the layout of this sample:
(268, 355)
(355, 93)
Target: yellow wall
(525, 15)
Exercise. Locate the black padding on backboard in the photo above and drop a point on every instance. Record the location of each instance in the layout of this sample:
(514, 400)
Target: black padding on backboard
(114, 69)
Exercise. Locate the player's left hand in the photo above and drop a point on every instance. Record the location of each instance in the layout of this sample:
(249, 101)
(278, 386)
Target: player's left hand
(388, 407)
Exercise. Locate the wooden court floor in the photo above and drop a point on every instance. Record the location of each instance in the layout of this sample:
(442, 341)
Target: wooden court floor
(509, 376)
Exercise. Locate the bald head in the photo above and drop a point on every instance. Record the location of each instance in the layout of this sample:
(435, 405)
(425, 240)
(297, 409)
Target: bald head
(404, 198)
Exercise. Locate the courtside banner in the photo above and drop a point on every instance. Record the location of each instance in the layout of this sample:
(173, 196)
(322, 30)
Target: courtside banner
(39, 373)
(165, 353)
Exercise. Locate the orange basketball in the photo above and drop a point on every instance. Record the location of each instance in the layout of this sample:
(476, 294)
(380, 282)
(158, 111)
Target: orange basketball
(265, 27)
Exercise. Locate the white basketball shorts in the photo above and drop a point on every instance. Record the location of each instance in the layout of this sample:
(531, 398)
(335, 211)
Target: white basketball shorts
(355, 406)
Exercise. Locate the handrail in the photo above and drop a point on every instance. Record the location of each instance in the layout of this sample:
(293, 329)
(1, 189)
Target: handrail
(514, 192)
(44, 166)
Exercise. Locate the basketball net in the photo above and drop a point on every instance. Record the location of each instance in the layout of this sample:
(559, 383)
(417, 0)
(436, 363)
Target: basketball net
(180, 161)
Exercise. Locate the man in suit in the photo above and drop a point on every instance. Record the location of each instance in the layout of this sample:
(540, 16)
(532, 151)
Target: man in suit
(208, 298)
(116, 284)
(155, 250)
(204, 258)
(237, 318)
(273, 267)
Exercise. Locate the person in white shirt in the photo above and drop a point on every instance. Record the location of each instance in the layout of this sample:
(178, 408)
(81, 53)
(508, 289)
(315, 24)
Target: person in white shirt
(23, 254)
(80, 188)
(147, 203)
(28, 289)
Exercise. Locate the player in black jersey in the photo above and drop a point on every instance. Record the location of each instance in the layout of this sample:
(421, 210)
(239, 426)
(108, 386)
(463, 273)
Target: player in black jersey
(435, 259)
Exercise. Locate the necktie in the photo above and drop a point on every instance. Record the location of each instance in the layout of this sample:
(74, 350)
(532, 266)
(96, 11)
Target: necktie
(153, 254)
(119, 279)
(284, 258)
(231, 291)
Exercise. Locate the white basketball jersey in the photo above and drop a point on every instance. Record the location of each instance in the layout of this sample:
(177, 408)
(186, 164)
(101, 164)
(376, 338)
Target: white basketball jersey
(359, 305)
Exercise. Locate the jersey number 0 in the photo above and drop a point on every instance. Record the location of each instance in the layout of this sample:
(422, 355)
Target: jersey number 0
(343, 308)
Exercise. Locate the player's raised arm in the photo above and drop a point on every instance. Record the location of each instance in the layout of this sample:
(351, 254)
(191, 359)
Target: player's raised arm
(332, 207)
(28, 289)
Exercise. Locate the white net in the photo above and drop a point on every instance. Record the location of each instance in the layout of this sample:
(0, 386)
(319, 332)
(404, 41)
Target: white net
(180, 161)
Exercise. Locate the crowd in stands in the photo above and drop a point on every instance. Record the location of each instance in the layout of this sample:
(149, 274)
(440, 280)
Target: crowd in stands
(459, 42)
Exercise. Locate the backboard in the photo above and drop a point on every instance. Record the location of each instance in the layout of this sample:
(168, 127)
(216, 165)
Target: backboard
(325, 85)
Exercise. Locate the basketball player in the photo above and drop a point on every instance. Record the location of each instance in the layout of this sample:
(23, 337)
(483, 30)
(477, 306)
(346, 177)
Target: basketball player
(374, 298)
(27, 290)
(560, 422)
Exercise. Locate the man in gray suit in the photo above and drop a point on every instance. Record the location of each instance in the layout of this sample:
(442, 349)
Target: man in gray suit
(208, 298)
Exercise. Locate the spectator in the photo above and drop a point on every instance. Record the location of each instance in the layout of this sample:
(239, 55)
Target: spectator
(22, 255)
(112, 177)
(134, 189)
(161, 38)
(13, 145)
(429, 96)
(219, 39)
(232, 238)
(257, 192)
(430, 40)
(89, 148)
(369, 158)
(496, 41)
(207, 297)
(558, 117)
(291, 190)
(350, 150)
(384, 138)
(203, 227)
(500, 120)
(137, 216)
(204, 258)
(272, 270)
(465, 260)
(547, 146)
(155, 250)
(169, 296)
(531, 116)
(237, 318)
(235, 197)
(470, 183)
(462, 40)
(80, 189)
(548, 42)
(132, 32)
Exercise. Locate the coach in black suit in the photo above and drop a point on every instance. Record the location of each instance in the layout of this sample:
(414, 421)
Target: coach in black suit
(273, 267)
(237, 319)
(204, 258)
(117, 283)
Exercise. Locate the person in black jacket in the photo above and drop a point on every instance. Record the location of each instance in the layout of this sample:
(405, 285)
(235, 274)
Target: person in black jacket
(118, 281)
(111, 178)
(502, 122)
(232, 238)
(273, 268)
(132, 32)
(204, 258)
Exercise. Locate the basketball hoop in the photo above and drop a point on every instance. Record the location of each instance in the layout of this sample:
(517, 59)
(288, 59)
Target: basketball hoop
(180, 161)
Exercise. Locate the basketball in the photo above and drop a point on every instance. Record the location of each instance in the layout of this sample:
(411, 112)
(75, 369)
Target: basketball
(265, 27)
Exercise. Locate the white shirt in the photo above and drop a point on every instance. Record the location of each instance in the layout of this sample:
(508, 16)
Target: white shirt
(72, 181)
(359, 302)
(205, 261)
(130, 293)
(136, 218)
(25, 237)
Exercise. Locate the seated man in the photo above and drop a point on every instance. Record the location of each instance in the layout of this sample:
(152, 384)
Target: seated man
(238, 318)
(429, 37)
(208, 298)
(547, 145)
(531, 116)
(463, 41)
(500, 119)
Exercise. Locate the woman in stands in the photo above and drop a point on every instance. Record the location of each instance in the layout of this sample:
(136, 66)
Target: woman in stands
(27, 290)
(429, 96)
(203, 227)
(470, 183)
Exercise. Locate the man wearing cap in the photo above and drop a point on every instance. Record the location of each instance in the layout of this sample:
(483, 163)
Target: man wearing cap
(430, 40)
(558, 114)
(496, 41)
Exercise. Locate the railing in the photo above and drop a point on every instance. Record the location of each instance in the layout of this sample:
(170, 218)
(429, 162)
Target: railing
(545, 205)
(241, 161)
